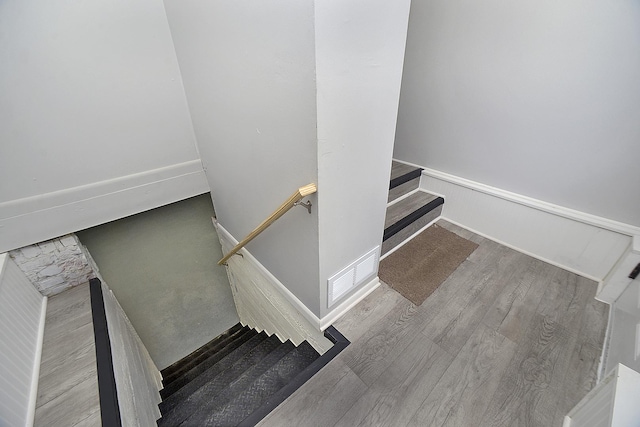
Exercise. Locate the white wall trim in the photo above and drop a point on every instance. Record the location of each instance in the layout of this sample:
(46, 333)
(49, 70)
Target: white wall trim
(349, 303)
(329, 318)
(293, 300)
(43, 217)
(597, 221)
(24, 314)
(412, 236)
(581, 243)
(524, 251)
(35, 379)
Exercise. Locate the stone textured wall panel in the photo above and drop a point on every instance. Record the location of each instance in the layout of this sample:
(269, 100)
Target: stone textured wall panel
(55, 265)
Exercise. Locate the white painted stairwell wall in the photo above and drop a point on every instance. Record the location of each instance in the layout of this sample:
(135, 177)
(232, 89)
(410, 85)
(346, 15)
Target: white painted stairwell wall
(538, 98)
(359, 56)
(249, 74)
(287, 92)
(94, 123)
(22, 314)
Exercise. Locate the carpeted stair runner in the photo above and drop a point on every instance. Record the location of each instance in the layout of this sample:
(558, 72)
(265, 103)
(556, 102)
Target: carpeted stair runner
(237, 378)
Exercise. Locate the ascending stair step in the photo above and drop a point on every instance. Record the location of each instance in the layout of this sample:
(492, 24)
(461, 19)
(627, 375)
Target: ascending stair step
(404, 179)
(407, 216)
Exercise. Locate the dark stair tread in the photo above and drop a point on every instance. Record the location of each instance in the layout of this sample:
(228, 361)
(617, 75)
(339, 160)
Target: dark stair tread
(222, 373)
(194, 361)
(404, 207)
(210, 397)
(401, 173)
(411, 216)
(253, 396)
(231, 352)
(170, 370)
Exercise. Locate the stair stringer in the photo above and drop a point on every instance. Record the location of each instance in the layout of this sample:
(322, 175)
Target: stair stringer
(261, 302)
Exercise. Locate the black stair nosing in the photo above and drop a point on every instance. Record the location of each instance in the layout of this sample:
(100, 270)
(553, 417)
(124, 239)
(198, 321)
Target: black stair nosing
(241, 405)
(169, 370)
(340, 342)
(240, 334)
(201, 400)
(399, 180)
(107, 389)
(405, 221)
(221, 374)
(236, 349)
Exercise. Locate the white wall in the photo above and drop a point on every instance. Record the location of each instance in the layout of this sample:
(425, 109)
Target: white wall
(22, 315)
(94, 123)
(248, 69)
(359, 53)
(540, 98)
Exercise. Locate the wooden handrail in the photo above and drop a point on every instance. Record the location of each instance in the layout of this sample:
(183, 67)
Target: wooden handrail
(288, 204)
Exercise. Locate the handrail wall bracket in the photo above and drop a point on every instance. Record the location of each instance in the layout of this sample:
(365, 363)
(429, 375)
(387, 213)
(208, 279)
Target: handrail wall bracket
(293, 200)
(306, 205)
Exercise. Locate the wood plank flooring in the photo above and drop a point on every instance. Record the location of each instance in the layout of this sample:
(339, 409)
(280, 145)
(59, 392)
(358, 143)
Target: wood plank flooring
(507, 340)
(68, 385)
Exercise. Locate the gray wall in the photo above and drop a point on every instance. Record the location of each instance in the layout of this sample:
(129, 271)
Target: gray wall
(359, 54)
(541, 98)
(249, 74)
(92, 100)
(161, 265)
(287, 92)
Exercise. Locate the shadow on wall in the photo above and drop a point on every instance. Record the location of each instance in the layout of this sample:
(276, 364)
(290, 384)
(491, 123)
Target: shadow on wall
(161, 265)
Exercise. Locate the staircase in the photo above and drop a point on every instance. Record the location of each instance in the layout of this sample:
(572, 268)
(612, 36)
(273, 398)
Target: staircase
(409, 208)
(238, 378)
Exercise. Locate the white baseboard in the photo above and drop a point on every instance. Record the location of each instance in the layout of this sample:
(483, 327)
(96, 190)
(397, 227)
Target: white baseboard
(291, 298)
(578, 242)
(410, 237)
(43, 217)
(571, 214)
(319, 323)
(342, 308)
(35, 378)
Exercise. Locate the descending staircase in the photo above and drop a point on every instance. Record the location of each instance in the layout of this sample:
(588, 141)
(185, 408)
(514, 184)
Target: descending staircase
(238, 378)
(409, 208)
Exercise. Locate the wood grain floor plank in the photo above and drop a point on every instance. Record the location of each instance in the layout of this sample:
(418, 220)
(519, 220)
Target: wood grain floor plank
(371, 310)
(455, 324)
(553, 327)
(92, 420)
(63, 373)
(398, 392)
(462, 286)
(525, 395)
(513, 310)
(582, 368)
(385, 341)
(462, 232)
(322, 401)
(460, 397)
(565, 298)
(68, 382)
(70, 408)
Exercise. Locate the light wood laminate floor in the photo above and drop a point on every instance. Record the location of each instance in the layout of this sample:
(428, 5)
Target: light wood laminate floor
(507, 340)
(68, 385)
